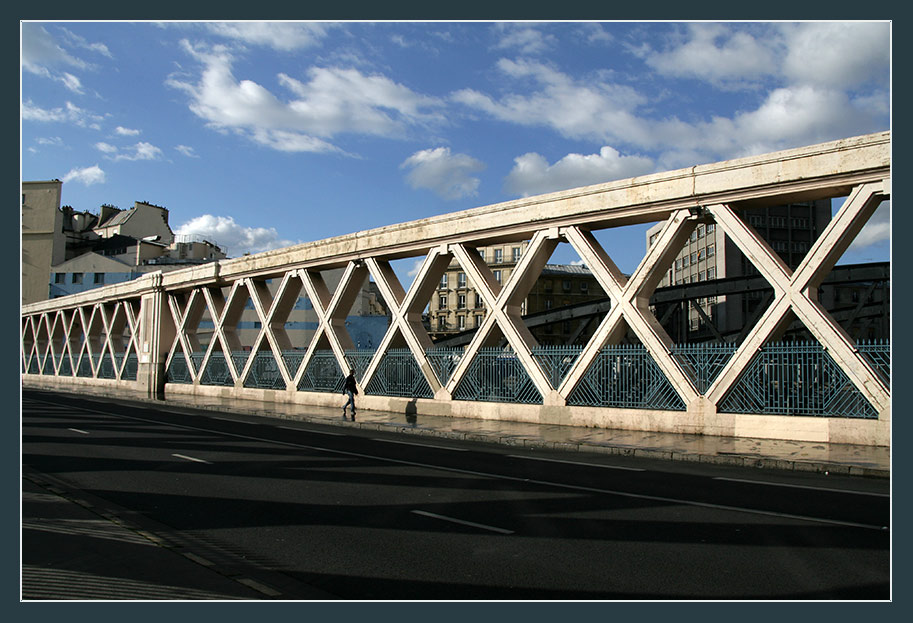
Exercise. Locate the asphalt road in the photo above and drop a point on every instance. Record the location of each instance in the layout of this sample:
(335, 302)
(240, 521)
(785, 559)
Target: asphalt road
(303, 511)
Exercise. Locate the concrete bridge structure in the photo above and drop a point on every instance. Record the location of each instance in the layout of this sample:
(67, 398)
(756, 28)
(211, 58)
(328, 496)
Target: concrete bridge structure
(142, 337)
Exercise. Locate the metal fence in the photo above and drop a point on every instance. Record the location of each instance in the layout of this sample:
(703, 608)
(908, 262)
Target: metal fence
(784, 378)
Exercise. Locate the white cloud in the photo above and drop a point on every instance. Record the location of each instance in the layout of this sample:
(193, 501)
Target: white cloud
(526, 39)
(717, 54)
(837, 54)
(282, 36)
(332, 101)
(69, 113)
(233, 238)
(41, 53)
(87, 176)
(576, 109)
(122, 131)
(139, 151)
(532, 175)
(71, 82)
(448, 175)
(187, 151)
(877, 230)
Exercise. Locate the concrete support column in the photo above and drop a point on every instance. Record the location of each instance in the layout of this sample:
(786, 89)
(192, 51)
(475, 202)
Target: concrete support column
(156, 334)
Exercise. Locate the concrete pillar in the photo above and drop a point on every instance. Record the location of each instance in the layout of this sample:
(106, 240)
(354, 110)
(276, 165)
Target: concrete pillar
(156, 334)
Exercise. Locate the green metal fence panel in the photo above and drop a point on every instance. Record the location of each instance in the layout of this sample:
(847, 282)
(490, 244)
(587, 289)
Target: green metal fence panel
(496, 375)
(359, 360)
(264, 372)
(106, 367)
(178, 372)
(66, 368)
(796, 378)
(293, 359)
(878, 352)
(398, 374)
(703, 362)
(556, 361)
(84, 368)
(216, 371)
(322, 374)
(444, 361)
(625, 376)
(129, 368)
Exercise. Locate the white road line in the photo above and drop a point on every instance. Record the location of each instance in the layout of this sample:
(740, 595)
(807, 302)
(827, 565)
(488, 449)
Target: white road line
(190, 458)
(465, 523)
(559, 485)
(783, 484)
(420, 445)
(319, 432)
(76, 430)
(539, 458)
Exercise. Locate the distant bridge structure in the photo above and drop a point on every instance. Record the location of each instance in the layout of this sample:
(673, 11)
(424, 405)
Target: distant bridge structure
(143, 336)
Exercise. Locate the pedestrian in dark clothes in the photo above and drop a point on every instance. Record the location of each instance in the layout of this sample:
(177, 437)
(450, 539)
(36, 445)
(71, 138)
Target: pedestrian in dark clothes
(351, 389)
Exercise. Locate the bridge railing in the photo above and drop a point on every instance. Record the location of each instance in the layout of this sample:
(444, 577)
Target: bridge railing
(145, 335)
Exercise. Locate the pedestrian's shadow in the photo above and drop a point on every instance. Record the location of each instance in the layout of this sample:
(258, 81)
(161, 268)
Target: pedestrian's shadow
(411, 412)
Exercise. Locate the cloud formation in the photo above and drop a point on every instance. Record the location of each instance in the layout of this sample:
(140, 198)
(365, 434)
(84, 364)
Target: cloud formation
(449, 175)
(233, 238)
(331, 101)
(533, 175)
(86, 176)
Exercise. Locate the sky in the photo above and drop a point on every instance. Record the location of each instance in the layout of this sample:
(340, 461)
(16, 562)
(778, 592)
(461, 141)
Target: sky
(262, 135)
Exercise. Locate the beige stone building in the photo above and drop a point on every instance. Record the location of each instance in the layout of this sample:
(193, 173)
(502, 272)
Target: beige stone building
(457, 306)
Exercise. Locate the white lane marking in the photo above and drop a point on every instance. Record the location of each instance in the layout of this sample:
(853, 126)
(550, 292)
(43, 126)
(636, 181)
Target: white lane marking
(539, 458)
(783, 484)
(76, 430)
(319, 432)
(191, 458)
(465, 523)
(559, 485)
(420, 445)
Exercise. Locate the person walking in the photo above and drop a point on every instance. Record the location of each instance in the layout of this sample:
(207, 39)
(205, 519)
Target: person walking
(351, 389)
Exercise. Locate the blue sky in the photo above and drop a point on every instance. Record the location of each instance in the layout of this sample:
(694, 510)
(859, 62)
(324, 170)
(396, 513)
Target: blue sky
(261, 135)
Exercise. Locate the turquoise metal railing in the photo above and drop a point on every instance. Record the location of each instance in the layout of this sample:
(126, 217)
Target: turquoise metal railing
(322, 374)
(784, 378)
(626, 376)
(496, 375)
(878, 352)
(264, 372)
(703, 362)
(398, 374)
(556, 361)
(795, 378)
(444, 361)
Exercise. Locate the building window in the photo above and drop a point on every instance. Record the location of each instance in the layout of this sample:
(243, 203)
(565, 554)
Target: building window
(686, 261)
(584, 286)
(499, 256)
(77, 277)
(498, 276)
(99, 277)
(548, 303)
(694, 257)
(479, 302)
(701, 254)
(547, 285)
(711, 250)
(479, 318)
(461, 280)
(516, 254)
(59, 277)
(566, 285)
(461, 322)
(481, 253)
(461, 302)
(710, 228)
(700, 231)
(442, 302)
(443, 285)
(653, 239)
(711, 272)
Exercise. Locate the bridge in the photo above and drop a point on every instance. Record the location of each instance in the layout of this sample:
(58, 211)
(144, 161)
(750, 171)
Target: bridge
(143, 337)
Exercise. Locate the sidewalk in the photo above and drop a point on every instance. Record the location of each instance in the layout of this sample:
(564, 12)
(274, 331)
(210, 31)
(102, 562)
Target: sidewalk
(845, 459)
